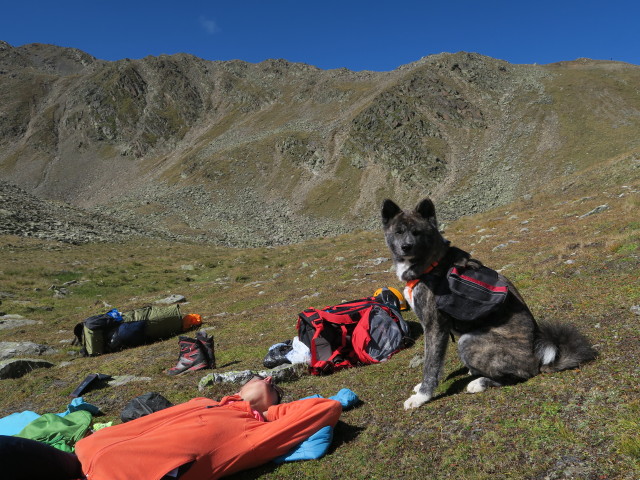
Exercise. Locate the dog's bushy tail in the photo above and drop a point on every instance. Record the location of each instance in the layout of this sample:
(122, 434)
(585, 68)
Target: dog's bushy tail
(561, 347)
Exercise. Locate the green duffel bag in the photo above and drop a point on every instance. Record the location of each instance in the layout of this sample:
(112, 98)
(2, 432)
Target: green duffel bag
(104, 333)
(160, 321)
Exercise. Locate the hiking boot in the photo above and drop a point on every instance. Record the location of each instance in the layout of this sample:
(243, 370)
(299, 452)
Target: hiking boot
(192, 357)
(206, 344)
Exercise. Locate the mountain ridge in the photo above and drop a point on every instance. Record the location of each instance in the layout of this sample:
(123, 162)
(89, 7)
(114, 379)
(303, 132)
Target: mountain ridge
(276, 152)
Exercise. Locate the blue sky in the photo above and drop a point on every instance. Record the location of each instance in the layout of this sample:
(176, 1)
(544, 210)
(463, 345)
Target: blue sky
(356, 34)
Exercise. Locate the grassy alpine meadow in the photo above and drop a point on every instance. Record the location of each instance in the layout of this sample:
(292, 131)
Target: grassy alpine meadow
(571, 265)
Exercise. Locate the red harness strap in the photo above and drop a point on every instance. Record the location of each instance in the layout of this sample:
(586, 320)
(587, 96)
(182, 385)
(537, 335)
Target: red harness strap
(408, 291)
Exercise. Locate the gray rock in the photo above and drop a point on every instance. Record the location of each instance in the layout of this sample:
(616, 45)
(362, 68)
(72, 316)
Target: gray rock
(18, 349)
(172, 299)
(598, 209)
(14, 321)
(19, 367)
(379, 260)
(118, 380)
(281, 373)
(636, 309)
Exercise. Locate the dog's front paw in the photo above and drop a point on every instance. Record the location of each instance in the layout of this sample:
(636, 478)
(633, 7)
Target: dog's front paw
(414, 401)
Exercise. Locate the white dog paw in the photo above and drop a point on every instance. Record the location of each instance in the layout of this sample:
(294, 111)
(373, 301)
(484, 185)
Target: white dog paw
(417, 387)
(414, 401)
(476, 386)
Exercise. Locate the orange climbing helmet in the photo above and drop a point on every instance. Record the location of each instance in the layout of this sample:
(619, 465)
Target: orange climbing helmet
(402, 303)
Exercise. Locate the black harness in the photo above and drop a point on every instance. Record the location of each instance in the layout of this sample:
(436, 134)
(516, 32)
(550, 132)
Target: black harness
(465, 290)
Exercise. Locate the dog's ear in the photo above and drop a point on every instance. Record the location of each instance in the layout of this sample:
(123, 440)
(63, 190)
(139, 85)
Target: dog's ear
(426, 209)
(389, 210)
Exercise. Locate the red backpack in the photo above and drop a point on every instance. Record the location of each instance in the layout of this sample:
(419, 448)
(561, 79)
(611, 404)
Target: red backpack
(359, 332)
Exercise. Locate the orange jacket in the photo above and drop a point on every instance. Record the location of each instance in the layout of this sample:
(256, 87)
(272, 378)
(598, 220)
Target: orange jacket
(221, 438)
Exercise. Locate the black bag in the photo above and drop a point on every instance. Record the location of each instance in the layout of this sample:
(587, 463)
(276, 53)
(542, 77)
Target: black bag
(471, 293)
(144, 405)
(277, 354)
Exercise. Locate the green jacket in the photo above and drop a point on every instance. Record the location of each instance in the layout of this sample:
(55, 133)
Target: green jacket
(59, 432)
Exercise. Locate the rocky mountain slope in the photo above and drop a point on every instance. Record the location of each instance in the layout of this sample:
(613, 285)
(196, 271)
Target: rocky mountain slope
(271, 153)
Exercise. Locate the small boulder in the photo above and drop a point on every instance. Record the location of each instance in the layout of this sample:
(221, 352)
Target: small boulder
(598, 209)
(19, 349)
(171, 299)
(14, 321)
(19, 367)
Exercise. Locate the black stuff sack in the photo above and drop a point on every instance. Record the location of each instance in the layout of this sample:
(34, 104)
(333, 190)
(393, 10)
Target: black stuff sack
(144, 405)
(470, 294)
(277, 354)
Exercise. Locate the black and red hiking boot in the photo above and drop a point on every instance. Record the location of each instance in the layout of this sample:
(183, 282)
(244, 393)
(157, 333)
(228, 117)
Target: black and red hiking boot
(206, 343)
(192, 357)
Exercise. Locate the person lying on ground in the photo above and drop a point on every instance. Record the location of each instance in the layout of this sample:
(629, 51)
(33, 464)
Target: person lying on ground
(198, 440)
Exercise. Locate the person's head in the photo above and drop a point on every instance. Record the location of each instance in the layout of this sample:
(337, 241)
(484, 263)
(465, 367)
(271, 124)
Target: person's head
(261, 393)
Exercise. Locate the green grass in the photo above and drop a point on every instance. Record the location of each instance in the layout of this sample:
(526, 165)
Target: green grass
(576, 424)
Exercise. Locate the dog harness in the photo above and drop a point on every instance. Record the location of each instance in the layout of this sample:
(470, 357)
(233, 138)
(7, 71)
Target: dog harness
(408, 289)
(465, 293)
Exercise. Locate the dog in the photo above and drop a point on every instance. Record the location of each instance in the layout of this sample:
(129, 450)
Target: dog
(506, 347)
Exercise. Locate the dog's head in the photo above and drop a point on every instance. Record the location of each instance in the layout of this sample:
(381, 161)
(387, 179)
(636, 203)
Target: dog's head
(412, 237)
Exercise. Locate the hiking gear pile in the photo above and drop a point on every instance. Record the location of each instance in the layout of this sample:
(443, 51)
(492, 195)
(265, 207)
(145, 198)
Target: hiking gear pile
(113, 331)
(195, 354)
(359, 332)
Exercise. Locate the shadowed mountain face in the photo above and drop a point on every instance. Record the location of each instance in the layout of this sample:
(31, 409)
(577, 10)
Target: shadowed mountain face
(276, 152)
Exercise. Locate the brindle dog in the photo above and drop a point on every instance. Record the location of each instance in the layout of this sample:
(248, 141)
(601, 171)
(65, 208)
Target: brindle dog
(504, 348)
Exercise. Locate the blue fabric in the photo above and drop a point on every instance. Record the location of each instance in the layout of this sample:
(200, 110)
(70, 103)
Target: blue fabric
(128, 334)
(312, 448)
(79, 404)
(312, 396)
(115, 314)
(14, 423)
(347, 398)
(317, 444)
